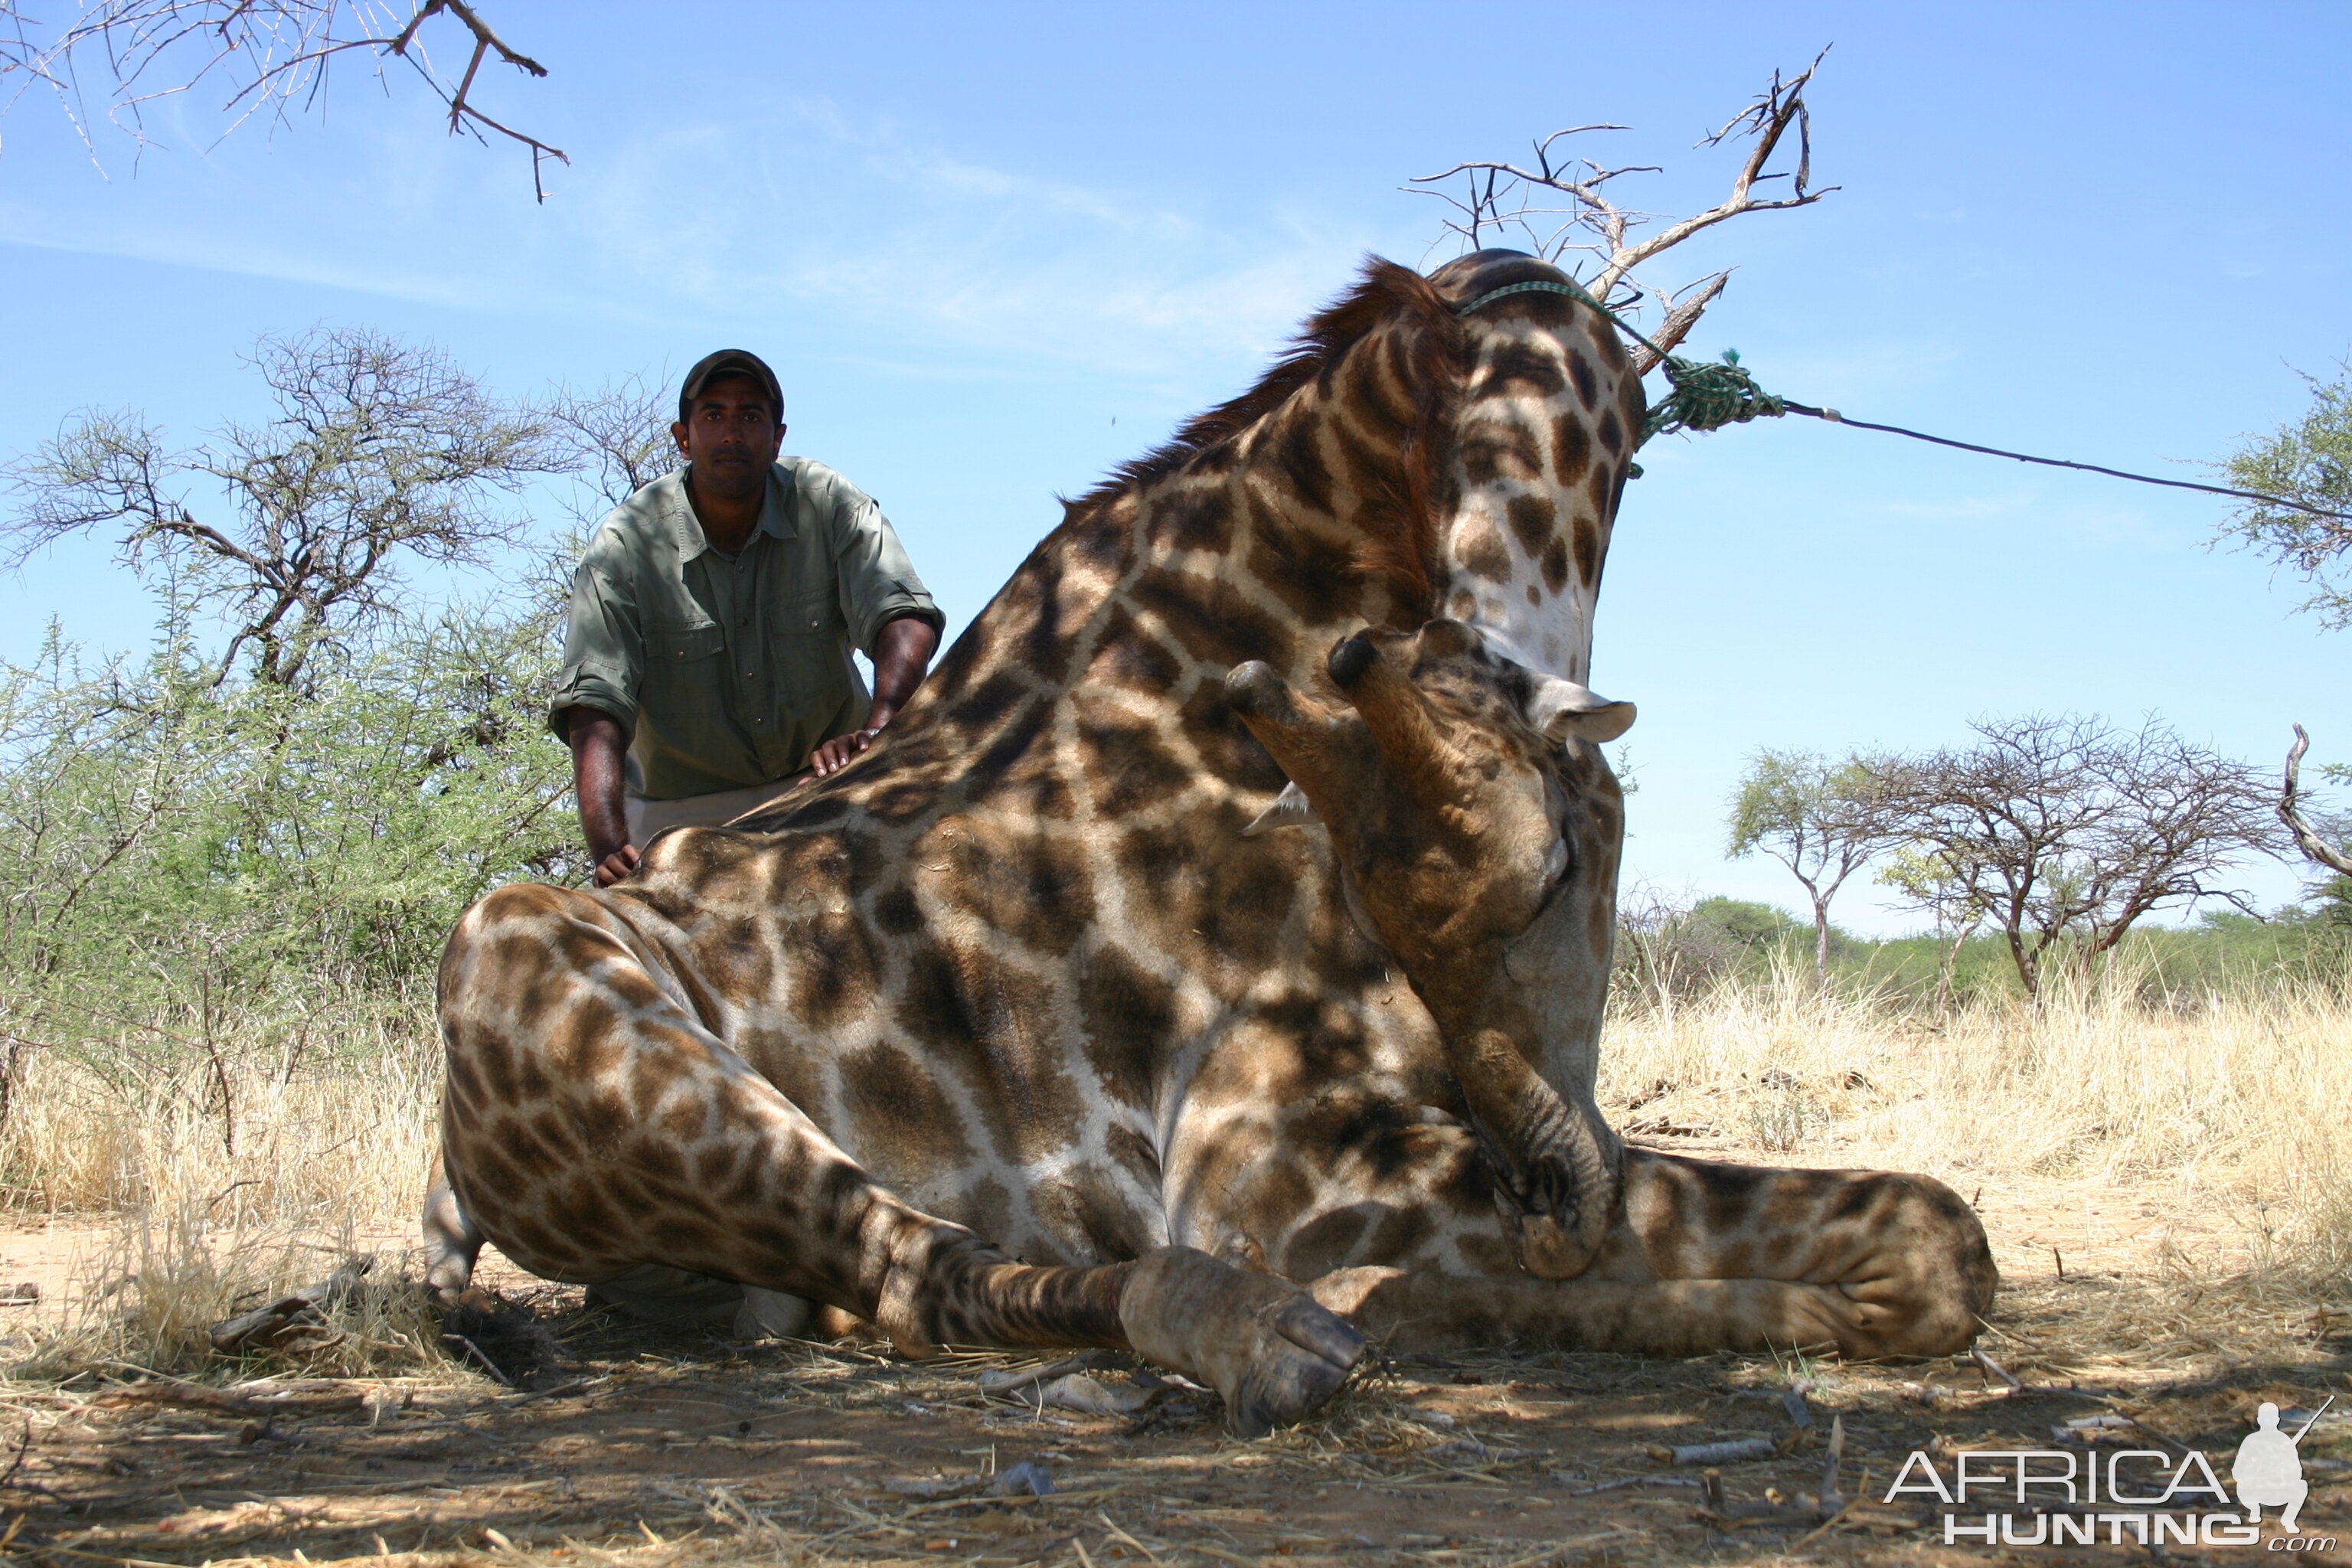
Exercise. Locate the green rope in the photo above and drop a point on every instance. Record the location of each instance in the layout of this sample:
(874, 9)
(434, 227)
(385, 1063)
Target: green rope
(1706, 396)
(1710, 396)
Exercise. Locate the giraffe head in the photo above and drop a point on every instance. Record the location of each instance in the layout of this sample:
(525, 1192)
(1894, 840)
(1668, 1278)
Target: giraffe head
(1479, 828)
(1544, 424)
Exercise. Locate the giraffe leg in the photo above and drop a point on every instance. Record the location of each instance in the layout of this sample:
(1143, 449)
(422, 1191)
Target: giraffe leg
(1407, 1310)
(1710, 1257)
(592, 1124)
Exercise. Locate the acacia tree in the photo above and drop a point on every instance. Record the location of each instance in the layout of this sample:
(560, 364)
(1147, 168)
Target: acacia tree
(1931, 882)
(1822, 820)
(382, 457)
(2308, 459)
(616, 439)
(2063, 831)
(273, 57)
(317, 765)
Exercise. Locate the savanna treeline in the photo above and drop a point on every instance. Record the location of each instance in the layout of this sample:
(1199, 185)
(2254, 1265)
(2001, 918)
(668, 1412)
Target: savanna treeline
(2050, 839)
(246, 844)
(2041, 846)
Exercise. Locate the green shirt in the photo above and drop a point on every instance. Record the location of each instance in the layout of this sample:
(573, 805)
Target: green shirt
(727, 672)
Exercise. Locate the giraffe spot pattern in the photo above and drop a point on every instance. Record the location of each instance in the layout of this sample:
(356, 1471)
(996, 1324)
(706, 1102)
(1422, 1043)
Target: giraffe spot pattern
(1531, 521)
(1482, 552)
(1554, 565)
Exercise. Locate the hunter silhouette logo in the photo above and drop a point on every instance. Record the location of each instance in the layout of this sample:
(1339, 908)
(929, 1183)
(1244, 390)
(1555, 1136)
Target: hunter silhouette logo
(2269, 1467)
(2061, 1497)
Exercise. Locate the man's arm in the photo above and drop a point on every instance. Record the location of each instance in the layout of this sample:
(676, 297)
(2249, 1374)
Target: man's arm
(902, 652)
(594, 704)
(597, 749)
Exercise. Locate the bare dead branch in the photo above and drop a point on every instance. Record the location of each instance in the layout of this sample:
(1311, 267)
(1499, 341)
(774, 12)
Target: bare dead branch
(1562, 208)
(483, 37)
(1767, 120)
(1682, 312)
(2306, 838)
(277, 53)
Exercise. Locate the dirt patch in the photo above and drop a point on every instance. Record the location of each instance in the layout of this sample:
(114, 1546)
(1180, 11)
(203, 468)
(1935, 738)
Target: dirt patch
(666, 1448)
(672, 1447)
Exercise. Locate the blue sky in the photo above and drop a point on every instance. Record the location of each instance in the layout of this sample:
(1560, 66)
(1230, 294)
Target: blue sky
(992, 252)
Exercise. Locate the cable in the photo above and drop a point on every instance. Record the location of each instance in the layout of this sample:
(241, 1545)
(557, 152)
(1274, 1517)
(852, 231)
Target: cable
(1835, 418)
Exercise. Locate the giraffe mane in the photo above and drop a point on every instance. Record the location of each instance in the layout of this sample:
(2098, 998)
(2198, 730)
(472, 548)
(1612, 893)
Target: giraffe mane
(1383, 291)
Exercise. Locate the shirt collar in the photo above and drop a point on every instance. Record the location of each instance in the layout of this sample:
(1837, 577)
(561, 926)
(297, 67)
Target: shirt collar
(776, 518)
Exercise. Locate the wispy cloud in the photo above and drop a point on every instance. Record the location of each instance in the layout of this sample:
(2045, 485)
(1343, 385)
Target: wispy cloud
(877, 232)
(913, 240)
(1862, 371)
(2100, 522)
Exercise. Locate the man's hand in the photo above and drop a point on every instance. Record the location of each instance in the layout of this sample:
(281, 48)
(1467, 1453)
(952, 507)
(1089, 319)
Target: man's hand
(835, 754)
(617, 866)
(902, 655)
(597, 748)
(902, 651)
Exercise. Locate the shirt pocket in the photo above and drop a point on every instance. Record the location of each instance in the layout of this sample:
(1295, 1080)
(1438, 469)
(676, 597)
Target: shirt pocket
(806, 614)
(673, 645)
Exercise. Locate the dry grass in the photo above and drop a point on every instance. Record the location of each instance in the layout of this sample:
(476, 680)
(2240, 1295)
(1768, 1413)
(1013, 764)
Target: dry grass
(269, 1120)
(144, 1300)
(2220, 1108)
(213, 1169)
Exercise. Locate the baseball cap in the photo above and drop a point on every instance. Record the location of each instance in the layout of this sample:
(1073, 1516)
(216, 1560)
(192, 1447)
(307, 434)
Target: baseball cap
(725, 363)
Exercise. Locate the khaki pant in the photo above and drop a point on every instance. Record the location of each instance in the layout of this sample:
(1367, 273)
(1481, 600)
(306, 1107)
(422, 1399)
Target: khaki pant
(647, 817)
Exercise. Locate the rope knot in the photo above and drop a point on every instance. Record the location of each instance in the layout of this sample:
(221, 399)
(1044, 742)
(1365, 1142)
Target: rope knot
(1707, 396)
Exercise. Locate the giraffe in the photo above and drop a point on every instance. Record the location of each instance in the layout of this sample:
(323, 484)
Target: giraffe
(1013, 1031)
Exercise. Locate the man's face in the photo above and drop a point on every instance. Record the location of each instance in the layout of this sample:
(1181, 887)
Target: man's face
(731, 436)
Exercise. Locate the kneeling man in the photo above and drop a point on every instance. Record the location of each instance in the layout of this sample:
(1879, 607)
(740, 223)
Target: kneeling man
(707, 660)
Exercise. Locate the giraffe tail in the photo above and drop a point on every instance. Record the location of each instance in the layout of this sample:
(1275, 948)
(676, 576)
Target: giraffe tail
(452, 1242)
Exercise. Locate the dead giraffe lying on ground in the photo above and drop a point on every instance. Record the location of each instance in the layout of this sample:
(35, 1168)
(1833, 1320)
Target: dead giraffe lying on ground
(1007, 1034)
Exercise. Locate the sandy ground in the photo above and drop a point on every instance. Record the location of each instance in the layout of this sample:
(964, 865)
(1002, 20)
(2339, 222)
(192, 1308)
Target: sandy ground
(660, 1446)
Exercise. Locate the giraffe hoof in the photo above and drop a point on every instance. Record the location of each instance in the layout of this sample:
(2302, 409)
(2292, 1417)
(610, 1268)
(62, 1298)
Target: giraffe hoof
(1260, 1342)
(1299, 1366)
(1562, 1216)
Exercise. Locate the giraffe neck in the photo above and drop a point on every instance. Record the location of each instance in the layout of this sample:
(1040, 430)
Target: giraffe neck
(1408, 462)
(1303, 527)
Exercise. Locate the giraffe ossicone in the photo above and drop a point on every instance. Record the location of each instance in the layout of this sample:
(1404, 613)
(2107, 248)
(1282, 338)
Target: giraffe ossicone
(1007, 1034)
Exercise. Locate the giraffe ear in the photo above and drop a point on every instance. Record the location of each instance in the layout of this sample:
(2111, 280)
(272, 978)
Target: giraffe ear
(1562, 709)
(1291, 808)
